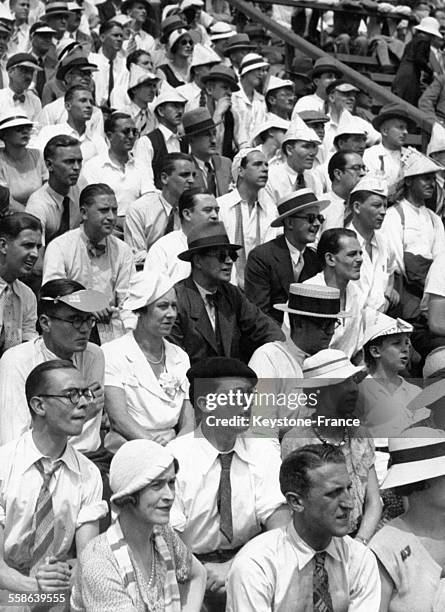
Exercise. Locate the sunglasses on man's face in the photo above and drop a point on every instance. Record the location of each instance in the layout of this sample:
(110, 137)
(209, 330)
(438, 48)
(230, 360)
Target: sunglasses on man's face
(310, 218)
(222, 255)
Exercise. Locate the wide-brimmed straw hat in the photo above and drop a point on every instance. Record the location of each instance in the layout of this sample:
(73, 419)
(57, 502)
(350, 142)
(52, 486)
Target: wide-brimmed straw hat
(313, 301)
(204, 236)
(419, 457)
(11, 119)
(295, 202)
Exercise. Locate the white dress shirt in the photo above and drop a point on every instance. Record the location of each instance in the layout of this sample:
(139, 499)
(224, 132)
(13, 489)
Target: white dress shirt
(392, 164)
(145, 222)
(101, 77)
(76, 491)
(128, 182)
(312, 102)
(282, 181)
(334, 214)
(274, 573)
(435, 281)
(55, 113)
(19, 41)
(15, 366)
(30, 107)
(163, 256)
(375, 273)
(143, 149)
(141, 115)
(255, 490)
(250, 114)
(348, 336)
(421, 234)
(91, 143)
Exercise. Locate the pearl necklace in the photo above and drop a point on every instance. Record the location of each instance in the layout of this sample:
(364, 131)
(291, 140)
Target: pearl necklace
(153, 564)
(324, 441)
(159, 360)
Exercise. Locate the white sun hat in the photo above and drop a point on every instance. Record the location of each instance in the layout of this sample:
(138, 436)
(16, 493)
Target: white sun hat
(328, 367)
(379, 324)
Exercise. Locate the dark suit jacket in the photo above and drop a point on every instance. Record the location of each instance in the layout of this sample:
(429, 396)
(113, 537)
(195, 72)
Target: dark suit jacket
(241, 324)
(223, 172)
(269, 273)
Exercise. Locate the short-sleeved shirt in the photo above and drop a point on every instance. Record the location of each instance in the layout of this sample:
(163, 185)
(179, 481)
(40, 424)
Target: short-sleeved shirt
(359, 452)
(22, 177)
(76, 490)
(254, 480)
(435, 281)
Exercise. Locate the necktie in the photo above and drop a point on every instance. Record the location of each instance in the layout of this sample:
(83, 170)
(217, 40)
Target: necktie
(132, 46)
(300, 183)
(10, 335)
(211, 179)
(171, 221)
(96, 250)
(65, 219)
(224, 498)
(321, 596)
(298, 267)
(110, 80)
(40, 78)
(19, 98)
(368, 248)
(203, 98)
(212, 299)
(141, 121)
(43, 519)
(229, 128)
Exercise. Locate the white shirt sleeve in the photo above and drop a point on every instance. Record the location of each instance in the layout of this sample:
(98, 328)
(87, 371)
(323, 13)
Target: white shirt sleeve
(54, 262)
(365, 589)
(15, 417)
(92, 506)
(248, 587)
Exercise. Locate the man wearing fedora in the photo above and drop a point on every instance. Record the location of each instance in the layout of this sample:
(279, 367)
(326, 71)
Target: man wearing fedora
(246, 217)
(236, 49)
(273, 266)
(21, 68)
(214, 317)
(310, 563)
(156, 214)
(213, 172)
(393, 123)
(299, 147)
(220, 83)
(168, 108)
(194, 92)
(324, 72)
(56, 16)
(248, 103)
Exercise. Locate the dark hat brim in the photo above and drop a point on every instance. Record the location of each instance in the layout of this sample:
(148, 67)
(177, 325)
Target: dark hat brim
(221, 77)
(128, 4)
(200, 129)
(395, 114)
(316, 72)
(187, 255)
(236, 47)
(63, 70)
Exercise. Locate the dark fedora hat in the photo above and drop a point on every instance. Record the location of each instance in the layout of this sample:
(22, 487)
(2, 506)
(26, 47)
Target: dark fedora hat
(197, 121)
(72, 61)
(392, 111)
(237, 42)
(326, 64)
(222, 73)
(205, 236)
(295, 202)
(128, 5)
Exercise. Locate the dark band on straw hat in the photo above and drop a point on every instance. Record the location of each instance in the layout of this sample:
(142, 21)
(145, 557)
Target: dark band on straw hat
(310, 304)
(13, 118)
(419, 453)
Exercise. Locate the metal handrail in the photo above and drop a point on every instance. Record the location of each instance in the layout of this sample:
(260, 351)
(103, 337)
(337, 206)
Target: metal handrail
(381, 94)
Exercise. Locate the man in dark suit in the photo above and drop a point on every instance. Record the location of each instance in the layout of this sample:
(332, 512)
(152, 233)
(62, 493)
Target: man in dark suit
(213, 171)
(273, 266)
(41, 38)
(214, 317)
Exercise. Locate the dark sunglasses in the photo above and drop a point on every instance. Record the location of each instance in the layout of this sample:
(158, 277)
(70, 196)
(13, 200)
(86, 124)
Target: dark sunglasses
(221, 256)
(129, 132)
(186, 41)
(310, 218)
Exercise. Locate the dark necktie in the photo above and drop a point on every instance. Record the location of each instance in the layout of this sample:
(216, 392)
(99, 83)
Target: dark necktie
(321, 596)
(43, 519)
(171, 221)
(96, 250)
(211, 179)
(229, 128)
(212, 299)
(19, 98)
(40, 78)
(65, 220)
(110, 80)
(224, 498)
(300, 183)
(203, 98)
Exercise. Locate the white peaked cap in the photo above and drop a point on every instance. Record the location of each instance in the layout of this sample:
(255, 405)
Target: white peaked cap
(204, 55)
(437, 141)
(301, 132)
(276, 83)
(379, 324)
(373, 183)
(415, 163)
(139, 75)
(348, 124)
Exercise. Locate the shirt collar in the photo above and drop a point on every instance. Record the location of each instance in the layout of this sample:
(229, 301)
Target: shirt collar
(32, 455)
(233, 198)
(210, 453)
(4, 284)
(202, 292)
(166, 132)
(306, 553)
(109, 162)
(360, 238)
(293, 250)
(202, 164)
(57, 197)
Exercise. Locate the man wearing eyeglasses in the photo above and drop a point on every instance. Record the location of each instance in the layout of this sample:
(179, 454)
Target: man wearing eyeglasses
(65, 316)
(341, 255)
(214, 317)
(274, 265)
(50, 494)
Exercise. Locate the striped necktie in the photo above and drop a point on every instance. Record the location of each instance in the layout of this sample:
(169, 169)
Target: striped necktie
(43, 519)
(321, 596)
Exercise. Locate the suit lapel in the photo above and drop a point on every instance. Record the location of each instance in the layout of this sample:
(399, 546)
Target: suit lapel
(226, 322)
(199, 315)
(283, 262)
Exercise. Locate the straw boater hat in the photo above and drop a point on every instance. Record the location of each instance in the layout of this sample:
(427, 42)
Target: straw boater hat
(429, 25)
(41, 28)
(379, 325)
(392, 111)
(222, 73)
(252, 61)
(417, 458)
(372, 183)
(326, 64)
(437, 141)
(313, 301)
(221, 31)
(328, 367)
(238, 42)
(296, 202)
(55, 8)
(10, 119)
(207, 235)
